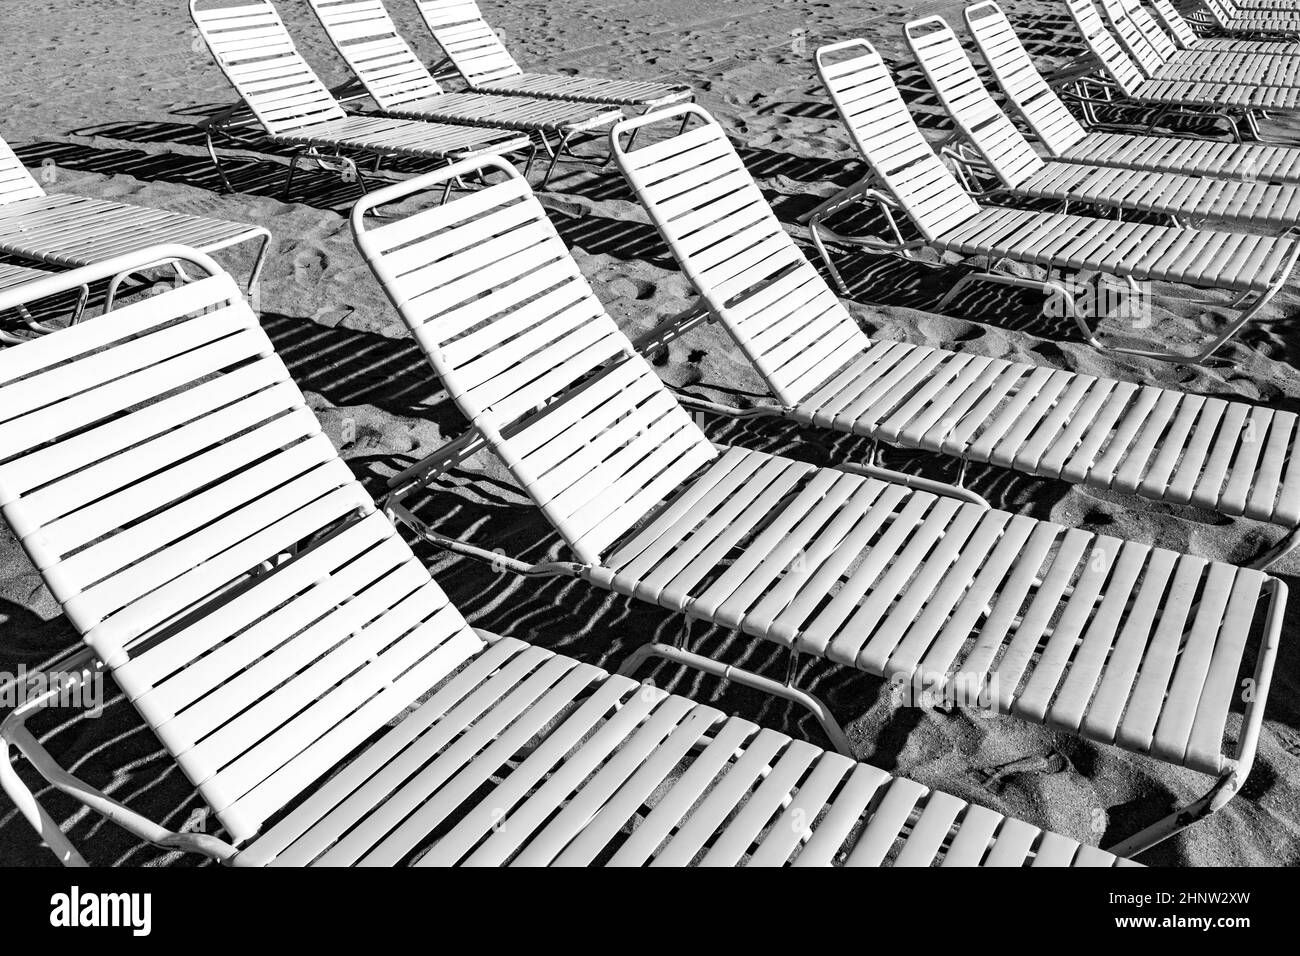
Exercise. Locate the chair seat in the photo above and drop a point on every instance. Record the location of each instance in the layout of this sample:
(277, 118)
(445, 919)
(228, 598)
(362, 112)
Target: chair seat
(1248, 161)
(1223, 260)
(1245, 6)
(452, 783)
(1264, 205)
(1168, 445)
(1229, 45)
(1221, 95)
(1253, 69)
(12, 275)
(637, 93)
(409, 137)
(1264, 23)
(72, 230)
(1120, 642)
(510, 112)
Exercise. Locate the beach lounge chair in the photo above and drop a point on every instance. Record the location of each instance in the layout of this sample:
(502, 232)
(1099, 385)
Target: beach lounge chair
(1053, 625)
(1187, 37)
(912, 179)
(152, 457)
(482, 60)
(293, 107)
(1005, 156)
(825, 373)
(1231, 19)
(1065, 138)
(1261, 7)
(1240, 105)
(364, 35)
(1159, 58)
(67, 230)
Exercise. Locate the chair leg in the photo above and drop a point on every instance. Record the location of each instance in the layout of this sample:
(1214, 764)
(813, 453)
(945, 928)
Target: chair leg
(216, 162)
(258, 262)
(532, 158)
(1270, 556)
(46, 827)
(560, 149)
(1206, 355)
(82, 298)
(110, 298)
(1180, 819)
(815, 233)
(746, 678)
(293, 168)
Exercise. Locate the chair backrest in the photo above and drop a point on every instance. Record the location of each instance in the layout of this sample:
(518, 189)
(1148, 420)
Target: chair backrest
(367, 39)
(1104, 46)
(15, 181)
(1014, 70)
(472, 46)
(888, 138)
(738, 256)
(1177, 24)
(963, 94)
(1049, 118)
(530, 356)
(254, 50)
(1219, 12)
(1138, 35)
(151, 461)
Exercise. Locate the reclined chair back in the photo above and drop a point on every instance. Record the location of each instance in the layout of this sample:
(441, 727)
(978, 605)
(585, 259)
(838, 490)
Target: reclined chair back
(751, 274)
(15, 181)
(1104, 46)
(964, 96)
(888, 138)
(471, 45)
(256, 53)
(167, 479)
(1049, 118)
(1177, 24)
(366, 38)
(530, 356)
(1140, 35)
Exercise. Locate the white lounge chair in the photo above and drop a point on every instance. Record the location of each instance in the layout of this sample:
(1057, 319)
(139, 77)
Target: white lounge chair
(68, 230)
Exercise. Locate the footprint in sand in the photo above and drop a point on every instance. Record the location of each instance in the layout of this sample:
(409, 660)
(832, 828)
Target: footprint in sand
(638, 289)
(309, 266)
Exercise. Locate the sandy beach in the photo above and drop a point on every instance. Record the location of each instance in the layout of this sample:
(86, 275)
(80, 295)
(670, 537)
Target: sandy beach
(103, 98)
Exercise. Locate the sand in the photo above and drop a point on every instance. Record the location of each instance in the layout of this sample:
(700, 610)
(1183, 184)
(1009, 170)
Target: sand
(102, 98)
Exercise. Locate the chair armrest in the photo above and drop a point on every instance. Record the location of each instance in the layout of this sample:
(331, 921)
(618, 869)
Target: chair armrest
(14, 733)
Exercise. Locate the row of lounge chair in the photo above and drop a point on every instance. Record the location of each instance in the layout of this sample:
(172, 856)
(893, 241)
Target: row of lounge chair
(167, 479)
(416, 117)
(154, 456)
